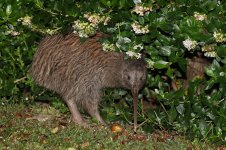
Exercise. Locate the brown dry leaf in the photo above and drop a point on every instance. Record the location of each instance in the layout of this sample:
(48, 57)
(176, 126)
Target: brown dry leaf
(63, 124)
(85, 145)
(125, 142)
(23, 115)
(138, 137)
(67, 139)
(42, 138)
(189, 148)
(162, 136)
(221, 148)
(18, 115)
(25, 135)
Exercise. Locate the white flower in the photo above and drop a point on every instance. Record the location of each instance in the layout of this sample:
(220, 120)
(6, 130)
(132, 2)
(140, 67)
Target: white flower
(138, 55)
(199, 16)
(141, 10)
(96, 18)
(108, 47)
(106, 20)
(139, 46)
(138, 29)
(219, 37)
(133, 54)
(208, 48)
(93, 18)
(210, 54)
(51, 32)
(26, 20)
(189, 44)
(12, 33)
(209, 51)
(84, 29)
(130, 53)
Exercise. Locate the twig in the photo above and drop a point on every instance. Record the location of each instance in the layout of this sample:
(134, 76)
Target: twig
(142, 123)
(18, 80)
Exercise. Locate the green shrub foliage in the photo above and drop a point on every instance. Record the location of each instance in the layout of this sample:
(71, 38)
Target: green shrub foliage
(168, 33)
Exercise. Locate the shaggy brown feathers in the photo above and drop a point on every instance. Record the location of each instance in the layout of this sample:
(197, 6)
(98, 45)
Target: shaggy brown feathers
(77, 71)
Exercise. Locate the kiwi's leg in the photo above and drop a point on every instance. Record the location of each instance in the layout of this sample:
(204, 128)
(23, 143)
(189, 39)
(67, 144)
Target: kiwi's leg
(76, 115)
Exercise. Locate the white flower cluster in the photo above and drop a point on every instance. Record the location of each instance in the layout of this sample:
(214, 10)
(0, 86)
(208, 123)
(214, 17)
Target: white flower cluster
(189, 44)
(139, 46)
(139, 29)
(199, 16)
(51, 32)
(108, 47)
(12, 33)
(209, 51)
(141, 10)
(219, 37)
(96, 18)
(133, 54)
(84, 29)
(210, 54)
(26, 20)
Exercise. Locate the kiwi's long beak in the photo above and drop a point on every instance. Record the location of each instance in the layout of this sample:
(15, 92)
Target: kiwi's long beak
(135, 91)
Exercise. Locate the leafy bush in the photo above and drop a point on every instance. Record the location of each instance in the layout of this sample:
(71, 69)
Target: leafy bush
(169, 33)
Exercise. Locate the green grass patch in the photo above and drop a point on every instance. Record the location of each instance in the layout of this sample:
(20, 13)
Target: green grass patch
(43, 127)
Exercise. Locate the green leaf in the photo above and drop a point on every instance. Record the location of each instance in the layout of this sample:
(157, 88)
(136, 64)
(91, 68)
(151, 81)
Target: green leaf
(39, 3)
(160, 64)
(172, 114)
(165, 50)
(122, 3)
(141, 20)
(203, 127)
(221, 51)
(8, 10)
(210, 84)
(170, 72)
(180, 109)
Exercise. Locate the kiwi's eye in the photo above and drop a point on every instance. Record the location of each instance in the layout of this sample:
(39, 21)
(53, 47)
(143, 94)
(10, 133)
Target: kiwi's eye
(128, 77)
(141, 78)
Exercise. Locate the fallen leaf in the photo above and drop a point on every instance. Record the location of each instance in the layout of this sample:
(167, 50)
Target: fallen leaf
(84, 145)
(42, 138)
(71, 148)
(125, 142)
(67, 139)
(55, 130)
(189, 148)
(63, 124)
(23, 115)
(18, 115)
(220, 148)
(116, 128)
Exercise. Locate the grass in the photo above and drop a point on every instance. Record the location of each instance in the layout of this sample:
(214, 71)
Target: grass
(40, 127)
